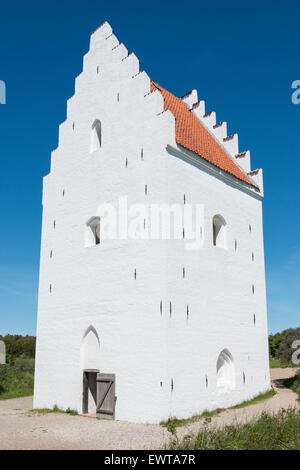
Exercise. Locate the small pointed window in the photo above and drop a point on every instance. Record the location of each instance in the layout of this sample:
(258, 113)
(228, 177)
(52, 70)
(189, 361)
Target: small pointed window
(92, 232)
(96, 136)
(219, 231)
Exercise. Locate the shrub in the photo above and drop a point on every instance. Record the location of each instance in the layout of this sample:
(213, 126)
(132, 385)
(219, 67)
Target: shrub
(3, 369)
(14, 383)
(17, 345)
(24, 364)
(294, 383)
(274, 342)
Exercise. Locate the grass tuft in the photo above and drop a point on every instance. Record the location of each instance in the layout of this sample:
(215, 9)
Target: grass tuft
(269, 432)
(71, 412)
(55, 409)
(172, 423)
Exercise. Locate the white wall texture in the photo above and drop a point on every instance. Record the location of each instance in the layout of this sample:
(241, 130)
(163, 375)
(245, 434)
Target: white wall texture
(148, 350)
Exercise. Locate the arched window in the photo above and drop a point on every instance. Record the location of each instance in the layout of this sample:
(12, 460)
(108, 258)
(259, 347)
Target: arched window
(96, 136)
(92, 232)
(219, 231)
(225, 372)
(90, 349)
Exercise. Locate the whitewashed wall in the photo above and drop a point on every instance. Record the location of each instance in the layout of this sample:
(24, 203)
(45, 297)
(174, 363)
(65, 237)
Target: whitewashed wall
(217, 289)
(96, 286)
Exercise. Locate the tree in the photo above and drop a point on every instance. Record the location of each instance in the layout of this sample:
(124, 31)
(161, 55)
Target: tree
(274, 342)
(19, 346)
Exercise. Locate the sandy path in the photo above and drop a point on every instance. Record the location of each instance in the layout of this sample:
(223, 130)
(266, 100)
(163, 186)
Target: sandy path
(284, 398)
(21, 429)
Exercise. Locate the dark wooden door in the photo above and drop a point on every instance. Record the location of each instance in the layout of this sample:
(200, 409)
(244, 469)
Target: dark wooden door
(89, 392)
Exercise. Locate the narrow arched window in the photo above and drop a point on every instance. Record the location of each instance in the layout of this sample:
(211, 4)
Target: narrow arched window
(96, 136)
(92, 237)
(219, 231)
(225, 372)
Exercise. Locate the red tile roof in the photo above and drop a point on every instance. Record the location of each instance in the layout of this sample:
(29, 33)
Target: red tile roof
(193, 135)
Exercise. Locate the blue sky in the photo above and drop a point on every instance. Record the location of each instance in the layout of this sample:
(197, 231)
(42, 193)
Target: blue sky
(242, 58)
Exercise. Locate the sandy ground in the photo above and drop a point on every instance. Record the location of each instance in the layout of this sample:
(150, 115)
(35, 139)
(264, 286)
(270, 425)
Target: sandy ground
(22, 429)
(284, 398)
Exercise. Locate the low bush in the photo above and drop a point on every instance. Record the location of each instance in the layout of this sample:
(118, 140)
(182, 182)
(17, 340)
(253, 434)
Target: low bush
(14, 383)
(294, 383)
(24, 364)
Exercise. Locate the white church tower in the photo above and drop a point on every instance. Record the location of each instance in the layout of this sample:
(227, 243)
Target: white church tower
(172, 331)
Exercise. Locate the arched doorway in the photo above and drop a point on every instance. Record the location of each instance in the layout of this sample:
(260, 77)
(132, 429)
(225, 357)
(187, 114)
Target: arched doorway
(89, 364)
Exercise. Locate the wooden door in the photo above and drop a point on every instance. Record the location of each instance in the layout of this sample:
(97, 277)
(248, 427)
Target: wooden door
(106, 396)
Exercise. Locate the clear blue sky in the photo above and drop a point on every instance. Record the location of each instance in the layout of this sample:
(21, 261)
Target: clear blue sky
(242, 57)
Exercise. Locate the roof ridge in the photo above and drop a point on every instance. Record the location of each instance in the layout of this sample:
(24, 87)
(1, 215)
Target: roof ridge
(193, 135)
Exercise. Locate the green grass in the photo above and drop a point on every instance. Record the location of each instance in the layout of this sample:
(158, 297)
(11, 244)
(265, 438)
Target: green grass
(269, 432)
(294, 383)
(259, 398)
(173, 423)
(55, 409)
(15, 383)
(275, 363)
(24, 392)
